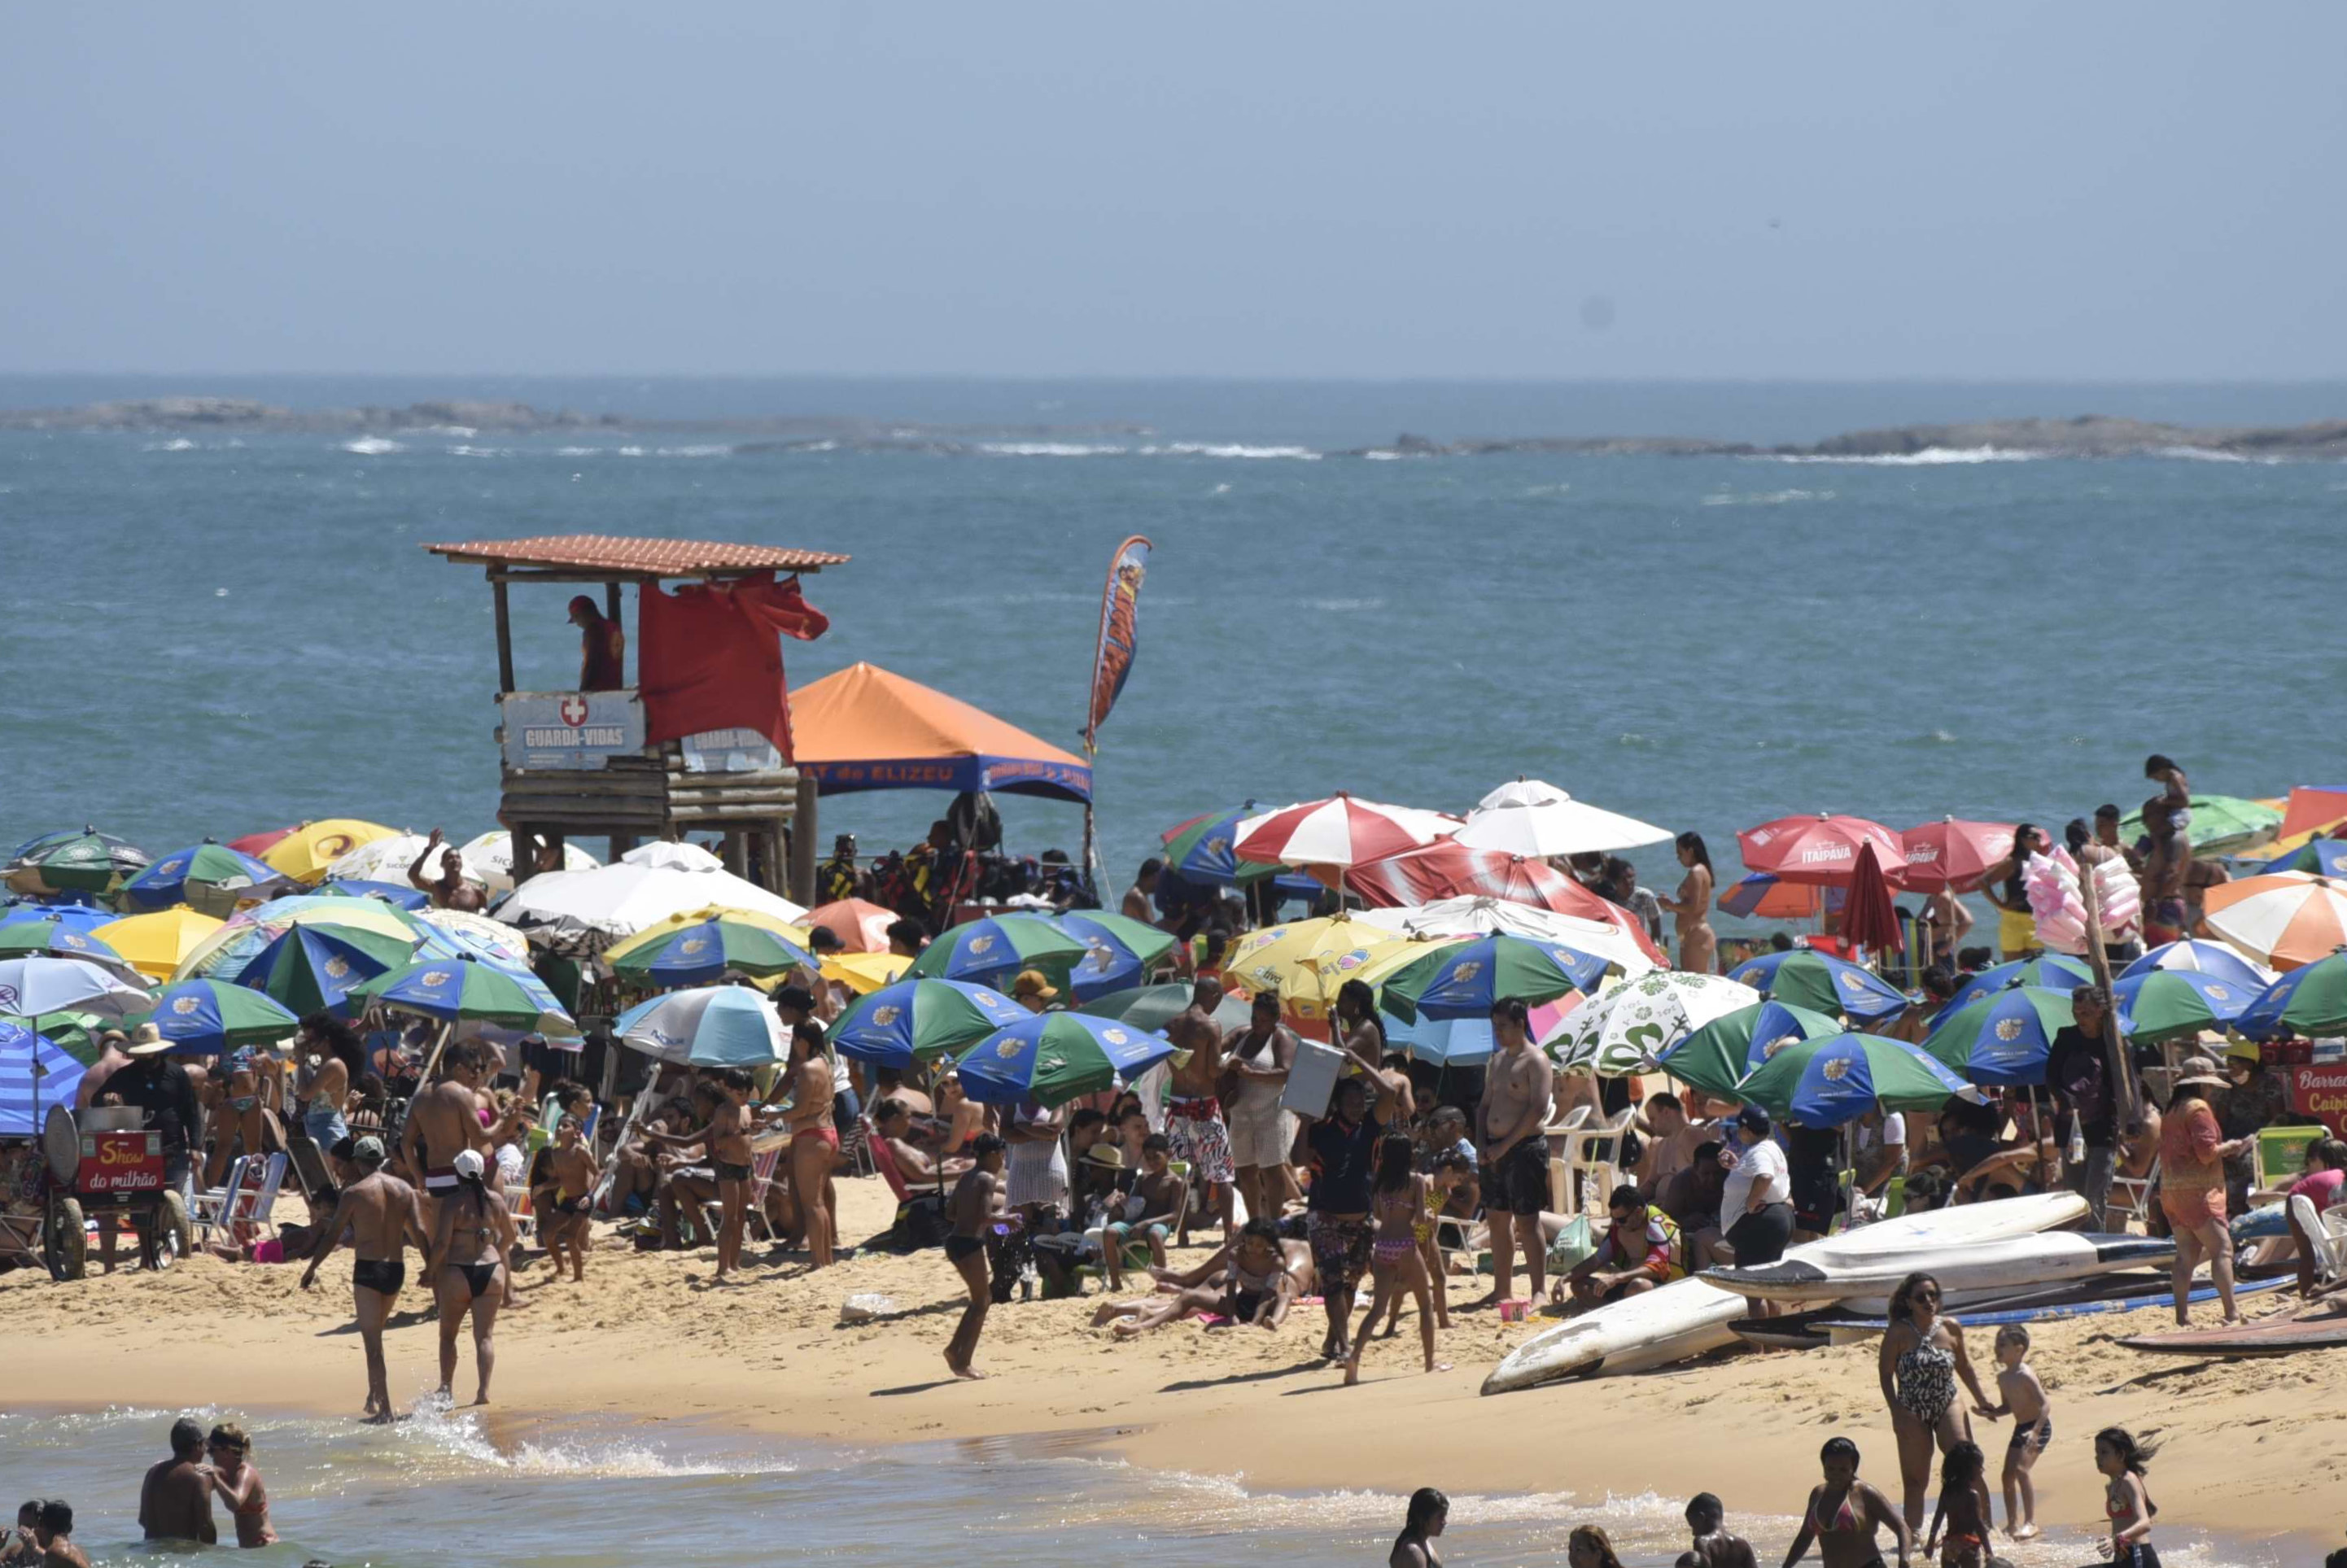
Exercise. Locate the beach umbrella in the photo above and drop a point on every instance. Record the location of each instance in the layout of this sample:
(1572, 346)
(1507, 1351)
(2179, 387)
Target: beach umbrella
(698, 955)
(1830, 1079)
(673, 855)
(660, 930)
(1464, 1041)
(586, 912)
(1152, 1007)
(207, 877)
(34, 986)
(1625, 1027)
(1616, 936)
(305, 852)
(84, 862)
(2222, 824)
(1952, 853)
(159, 943)
(2054, 971)
(1721, 1053)
(2310, 808)
(1530, 817)
(390, 860)
(1821, 848)
(1053, 1058)
(1338, 832)
(714, 1026)
(2316, 857)
(200, 1016)
(311, 968)
(863, 973)
(82, 918)
(914, 1021)
(2168, 1004)
(1120, 952)
(1760, 895)
(1464, 979)
(861, 926)
(261, 843)
(991, 951)
(35, 1074)
(449, 932)
(1822, 983)
(2310, 1002)
(56, 938)
(469, 989)
(2285, 919)
(492, 855)
(2001, 1038)
(1447, 869)
(2205, 958)
(232, 945)
(1869, 920)
(1303, 962)
(1199, 850)
(397, 895)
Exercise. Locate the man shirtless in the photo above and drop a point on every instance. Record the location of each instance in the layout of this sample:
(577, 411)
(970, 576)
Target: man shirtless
(1516, 1090)
(2164, 866)
(175, 1500)
(383, 1215)
(1135, 904)
(54, 1532)
(112, 1057)
(450, 890)
(445, 1118)
(1194, 1115)
(975, 1208)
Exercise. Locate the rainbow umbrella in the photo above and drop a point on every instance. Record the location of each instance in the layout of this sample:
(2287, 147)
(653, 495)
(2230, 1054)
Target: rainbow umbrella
(699, 955)
(313, 969)
(1199, 850)
(1812, 979)
(2003, 1038)
(2165, 1004)
(1465, 979)
(914, 1021)
(1835, 1079)
(1723, 1052)
(1119, 951)
(1053, 1058)
(2310, 1002)
(199, 1015)
(991, 951)
(209, 877)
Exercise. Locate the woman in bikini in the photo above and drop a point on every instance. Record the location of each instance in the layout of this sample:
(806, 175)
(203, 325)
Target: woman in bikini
(1691, 907)
(1430, 1510)
(1922, 1357)
(471, 1239)
(2122, 1459)
(240, 1485)
(1844, 1515)
(726, 1135)
(1398, 1207)
(1250, 1282)
(1964, 1508)
(814, 1139)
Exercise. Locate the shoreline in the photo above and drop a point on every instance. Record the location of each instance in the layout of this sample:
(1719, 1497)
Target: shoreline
(649, 1337)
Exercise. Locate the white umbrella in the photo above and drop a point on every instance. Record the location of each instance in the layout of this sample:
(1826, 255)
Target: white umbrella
(493, 853)
(583, 912)
(1623, 1028)
(388, 859)
(673, 857)
(1531, 817)
(38, 985)
(1616, 943)
(466, 931)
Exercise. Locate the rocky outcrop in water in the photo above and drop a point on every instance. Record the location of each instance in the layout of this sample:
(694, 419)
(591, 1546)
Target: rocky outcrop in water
(2086, 435)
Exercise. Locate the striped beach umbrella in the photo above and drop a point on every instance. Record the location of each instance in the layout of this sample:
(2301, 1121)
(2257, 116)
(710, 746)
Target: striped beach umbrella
(1466, 978)
(712, 1026)
(699, 955)
(2287, 919)
(1832, 1080)
(34, 986)
(1053, 1058)
(1448, 869)
(1822, 983)
(35, 1074)
(1725, 1051)
(200, 1016)
(2310, 1002)
(914, 1021)
(312, 968)
(209, 877)
(2205, 958)
(1119, 951)
(989, 952)
(1338, 832)
(2002, 1038)
(470, 989)
(2168, 1004)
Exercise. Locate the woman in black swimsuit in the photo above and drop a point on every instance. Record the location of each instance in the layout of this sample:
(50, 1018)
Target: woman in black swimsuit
(471, 1240)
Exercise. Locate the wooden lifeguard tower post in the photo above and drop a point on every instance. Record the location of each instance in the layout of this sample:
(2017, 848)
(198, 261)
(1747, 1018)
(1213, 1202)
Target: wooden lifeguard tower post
(577, 764)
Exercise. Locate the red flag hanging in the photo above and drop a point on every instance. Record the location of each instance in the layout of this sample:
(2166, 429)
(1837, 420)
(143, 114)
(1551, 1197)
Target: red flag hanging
(1119, 610)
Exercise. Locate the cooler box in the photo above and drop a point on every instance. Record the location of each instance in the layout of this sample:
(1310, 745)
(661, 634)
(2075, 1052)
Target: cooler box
(1312, 1079)
(2282, 1153)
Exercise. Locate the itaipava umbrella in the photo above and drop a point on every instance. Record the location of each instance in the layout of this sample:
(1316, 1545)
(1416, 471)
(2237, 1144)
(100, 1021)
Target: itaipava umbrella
(314, 967)
(914, 1021)
(200, 1016)
(1830, 1079)
(305, 852)
(1822, 983)
(2286, 919)
(1616, 936)
(1623, 1028)
(1447, 869)
(699, 955)
(1952, 853)
(1721, 1053)
(470, 989)
(1531, 817)
(1821, 848)
(1338, 832)
(714, 1026)
(2170, 1004)
(88, 861)
(1466, 980)
(2205, 958)
(2222, 824)
(2310, 1002)
(989, 952)
(2003, 1038)
(2054, 971)
(861, 926)
(35, 986)
(207, 877)
(1119, 952)
(1053, 1058)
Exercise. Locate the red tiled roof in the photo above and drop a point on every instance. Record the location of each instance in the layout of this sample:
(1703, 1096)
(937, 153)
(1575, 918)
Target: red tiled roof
(645, 556)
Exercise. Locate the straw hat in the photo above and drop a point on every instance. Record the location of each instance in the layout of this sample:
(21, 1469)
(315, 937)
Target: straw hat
(1108, 1156)
(147, 1040)
(2200, 1070)
(1031, 983)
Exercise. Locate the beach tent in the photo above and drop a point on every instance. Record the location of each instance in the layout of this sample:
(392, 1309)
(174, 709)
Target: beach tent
(863, 728)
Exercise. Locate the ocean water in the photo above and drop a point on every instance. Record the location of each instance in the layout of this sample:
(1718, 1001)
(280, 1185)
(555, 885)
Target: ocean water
(209, 634)
(498, 1491)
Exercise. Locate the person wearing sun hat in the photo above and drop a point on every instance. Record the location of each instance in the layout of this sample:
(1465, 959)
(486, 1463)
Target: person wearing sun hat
(1033, 991)
(157, 1085)
(2192, 1154)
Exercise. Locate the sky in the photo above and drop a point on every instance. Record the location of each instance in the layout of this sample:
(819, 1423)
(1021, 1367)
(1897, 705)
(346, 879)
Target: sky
(2089, 190)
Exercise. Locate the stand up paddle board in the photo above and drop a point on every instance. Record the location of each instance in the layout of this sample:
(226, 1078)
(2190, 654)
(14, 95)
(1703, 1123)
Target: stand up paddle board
(2013, 1263)
(2319, 1328)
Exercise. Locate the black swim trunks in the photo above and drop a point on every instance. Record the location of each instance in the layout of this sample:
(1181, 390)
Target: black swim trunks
(2038, 1434)
(727, 1171)
(1517, 1182)
(382, 1276)
(962, 1246)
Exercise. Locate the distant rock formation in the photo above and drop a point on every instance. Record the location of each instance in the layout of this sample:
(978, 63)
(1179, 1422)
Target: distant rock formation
(245, 413)
(2086, 435)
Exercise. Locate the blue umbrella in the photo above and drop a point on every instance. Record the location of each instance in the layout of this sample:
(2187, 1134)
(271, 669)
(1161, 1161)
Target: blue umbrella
(1837, 1079)
(58, 938)
(1199, 851)
(202, 1016)
(2208, 958)
(1464, 979)
(391, 893)
(1822, 983)
(470, 989)
(2180, 1002)
(35, 1074)
(314, 967)
(1052, 1058)
(989, 952)
(715, 1026)
(2051, 970)
(901, 1023)
(201, 869)
(2004, 1037)
(2322, 856)
(1445, 1042)
(1119, 952)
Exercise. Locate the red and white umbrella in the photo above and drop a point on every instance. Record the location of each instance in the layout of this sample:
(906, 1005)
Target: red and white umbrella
(1820, 848)
(1449, 869)
(1338, 832)
(2284, 918)
(1951, 853)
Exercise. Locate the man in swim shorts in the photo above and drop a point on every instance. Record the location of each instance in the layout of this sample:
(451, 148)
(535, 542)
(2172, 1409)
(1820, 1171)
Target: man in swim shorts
(1193, 1112)
(383, 1216)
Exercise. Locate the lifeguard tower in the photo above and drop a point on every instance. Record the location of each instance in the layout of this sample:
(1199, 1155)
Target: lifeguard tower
(598, 763)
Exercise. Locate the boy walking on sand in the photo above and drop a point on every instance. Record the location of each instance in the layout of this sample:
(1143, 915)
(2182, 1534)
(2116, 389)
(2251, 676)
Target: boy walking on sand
(975, 1208)
(2023, 1398)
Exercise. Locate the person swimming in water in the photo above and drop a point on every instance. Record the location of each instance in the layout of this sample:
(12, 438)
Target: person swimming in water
(1845, 1514)
(1963, 1507)
(1430, 1510)
(240, 1485)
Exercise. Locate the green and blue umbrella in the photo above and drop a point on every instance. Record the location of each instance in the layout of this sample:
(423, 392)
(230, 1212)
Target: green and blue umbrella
(207, 877)
(2052, 971)
(86, 862)
(1152, 1007)
(204, 1015)
(698, 955)
(391, 893)
(2167, 1004)
(2204, 957)
(1835, 1079)
(713, 1025)
(2310, 1002)
(1199, 851)
(1720, 1055)
(470, 989)
(2002, 1038)
(35, 1074)
(1053, 1058)
(55, 938)
(1464, 980)
(1822, 983)
(989, 952)
(312, 968)
(2221, 823)
(1119, 951)
(2316, 857)
(913, 1021)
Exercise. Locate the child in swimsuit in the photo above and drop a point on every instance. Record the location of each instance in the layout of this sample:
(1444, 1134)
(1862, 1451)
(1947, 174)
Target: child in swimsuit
(2032, 1429)
(239, 1484)
(1964, 1507)
(1398, 1206)
(2122, 1459)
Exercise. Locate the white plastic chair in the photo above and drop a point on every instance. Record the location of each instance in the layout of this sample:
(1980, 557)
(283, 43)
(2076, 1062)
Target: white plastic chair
(243, 1204)
(2327, 1235)
(1593, 1171)
(208, 1205)
(1560, 1142)
(2131, 1199)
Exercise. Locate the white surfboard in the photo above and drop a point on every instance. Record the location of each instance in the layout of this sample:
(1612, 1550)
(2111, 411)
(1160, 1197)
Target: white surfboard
(1967, 1267)
(1690, 1317)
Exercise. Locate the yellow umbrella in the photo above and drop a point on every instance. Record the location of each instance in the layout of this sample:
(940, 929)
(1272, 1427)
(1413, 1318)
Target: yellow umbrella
(659, 930)
(272, 919)
(1304, 963)
(155, 945)
(862, 973)
(306, 851)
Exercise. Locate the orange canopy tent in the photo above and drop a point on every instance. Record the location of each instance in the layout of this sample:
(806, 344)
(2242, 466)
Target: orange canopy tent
(863, 728)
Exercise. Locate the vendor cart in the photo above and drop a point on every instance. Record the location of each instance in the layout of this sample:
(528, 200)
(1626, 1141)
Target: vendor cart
(104, 1166)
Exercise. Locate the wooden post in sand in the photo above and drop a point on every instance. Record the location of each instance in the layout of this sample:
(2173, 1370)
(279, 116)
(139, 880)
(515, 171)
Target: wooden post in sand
(2131, 1102)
